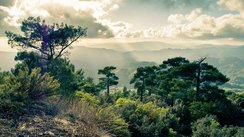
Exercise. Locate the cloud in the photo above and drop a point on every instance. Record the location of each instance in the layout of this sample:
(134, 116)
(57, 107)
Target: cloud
(236, 5)
(176, 4)
(119, 28)
(196, 25)
(93, 14)
(86, 13)
(7, 2)
(180, 18)
(7, 18)
(147, 33)
(81, 17)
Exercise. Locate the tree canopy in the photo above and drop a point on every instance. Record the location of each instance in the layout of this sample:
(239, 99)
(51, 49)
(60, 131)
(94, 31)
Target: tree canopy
(109, 78)
(49, 41)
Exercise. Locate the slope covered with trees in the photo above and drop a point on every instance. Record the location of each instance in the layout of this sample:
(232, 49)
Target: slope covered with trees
(44, 95)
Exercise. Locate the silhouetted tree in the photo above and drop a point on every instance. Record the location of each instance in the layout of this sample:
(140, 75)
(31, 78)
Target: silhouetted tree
(198, 82)
(110, 78)
(50, 41)
(170, 71)
(143, 79)
(207, 77)
(201, 75)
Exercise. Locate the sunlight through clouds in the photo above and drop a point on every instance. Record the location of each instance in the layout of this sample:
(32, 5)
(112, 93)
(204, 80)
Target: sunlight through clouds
(195, 20)
(77, 12)
(14, 13)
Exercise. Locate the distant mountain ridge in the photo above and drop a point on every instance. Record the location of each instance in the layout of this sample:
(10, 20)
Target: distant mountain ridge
(229, 59)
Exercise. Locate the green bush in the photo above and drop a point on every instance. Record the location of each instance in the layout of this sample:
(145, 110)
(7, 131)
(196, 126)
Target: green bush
(112, 122)
(17, 91)
(90, 87)
(12, 101)
(200, 109)
(209, 127)
(224, 110)
(146, 120)
(237, 99)
(69, 79)
(205, 126)
(88, 98)
(178, 118)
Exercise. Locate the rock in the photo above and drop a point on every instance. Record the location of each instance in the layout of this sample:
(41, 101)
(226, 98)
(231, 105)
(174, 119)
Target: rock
(49, 133)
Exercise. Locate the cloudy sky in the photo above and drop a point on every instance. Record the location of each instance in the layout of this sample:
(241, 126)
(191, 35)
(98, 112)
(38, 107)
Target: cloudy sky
(203, 21)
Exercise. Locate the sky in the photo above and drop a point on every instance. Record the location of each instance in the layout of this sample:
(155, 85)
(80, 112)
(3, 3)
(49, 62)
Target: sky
(219, 22)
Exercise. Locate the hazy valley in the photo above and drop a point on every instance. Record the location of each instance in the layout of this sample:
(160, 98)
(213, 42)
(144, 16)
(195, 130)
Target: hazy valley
(228, 59)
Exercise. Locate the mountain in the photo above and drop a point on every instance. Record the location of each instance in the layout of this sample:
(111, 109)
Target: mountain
(92, 59)
(192, 54)
(134, 46)
(233, 68)
(228, 59)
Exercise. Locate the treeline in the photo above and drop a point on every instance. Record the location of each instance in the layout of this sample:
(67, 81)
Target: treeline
(176, 98)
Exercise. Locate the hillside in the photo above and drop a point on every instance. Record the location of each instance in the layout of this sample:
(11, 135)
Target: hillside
(229, 59)
(50, 120)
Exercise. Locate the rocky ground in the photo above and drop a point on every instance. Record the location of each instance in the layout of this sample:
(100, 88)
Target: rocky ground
(48, 126)
(39, 122)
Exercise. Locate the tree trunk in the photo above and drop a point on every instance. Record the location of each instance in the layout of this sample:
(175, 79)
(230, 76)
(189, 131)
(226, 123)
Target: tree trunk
(108, 83)
(143, 89)
(198, 82)
(44, 48)
(199, 78)
(141, 96)
(43, 63)
(150, 88)
(108, 90)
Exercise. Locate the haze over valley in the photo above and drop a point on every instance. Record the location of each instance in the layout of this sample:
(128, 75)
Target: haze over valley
(229, 59)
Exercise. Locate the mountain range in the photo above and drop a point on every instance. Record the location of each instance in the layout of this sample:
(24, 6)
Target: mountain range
(128, 57)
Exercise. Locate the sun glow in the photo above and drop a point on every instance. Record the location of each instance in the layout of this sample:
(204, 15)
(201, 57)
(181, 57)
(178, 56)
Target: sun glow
(14, 13)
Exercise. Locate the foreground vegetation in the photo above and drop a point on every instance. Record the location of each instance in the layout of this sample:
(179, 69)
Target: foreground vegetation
(44, 95)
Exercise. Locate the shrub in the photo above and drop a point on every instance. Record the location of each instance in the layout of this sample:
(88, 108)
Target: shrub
(96, 118)
(145, 119)
(86, 97)
(224, 110)
(209, 127)
(69, 79)
(204, 126)
(112, 122)
(200, 109)
(179, 118)
(17, 91)
(90, 87)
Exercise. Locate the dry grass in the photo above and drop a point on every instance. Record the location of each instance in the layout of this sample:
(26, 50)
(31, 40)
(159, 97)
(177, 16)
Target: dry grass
(6, 129)
(74, 119)
(83, 114)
